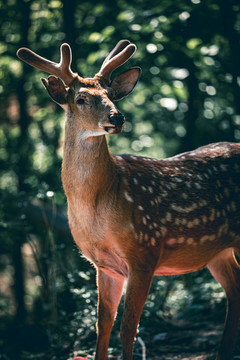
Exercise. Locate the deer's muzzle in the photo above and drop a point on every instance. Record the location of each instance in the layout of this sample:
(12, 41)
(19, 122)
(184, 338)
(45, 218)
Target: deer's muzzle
(114, 123)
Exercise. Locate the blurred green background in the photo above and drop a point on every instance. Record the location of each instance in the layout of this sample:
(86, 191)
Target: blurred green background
(188, 95)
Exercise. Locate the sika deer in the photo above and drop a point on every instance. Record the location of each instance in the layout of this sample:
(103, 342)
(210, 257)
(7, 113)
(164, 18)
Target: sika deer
(134, 217)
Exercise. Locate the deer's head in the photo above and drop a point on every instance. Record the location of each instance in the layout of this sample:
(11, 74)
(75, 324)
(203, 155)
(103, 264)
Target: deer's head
(90, 101)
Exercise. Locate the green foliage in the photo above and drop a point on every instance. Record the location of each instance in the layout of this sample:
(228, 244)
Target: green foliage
(188, 95)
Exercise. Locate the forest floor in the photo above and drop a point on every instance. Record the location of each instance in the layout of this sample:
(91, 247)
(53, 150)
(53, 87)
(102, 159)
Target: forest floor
(177, 340)
(181, 341)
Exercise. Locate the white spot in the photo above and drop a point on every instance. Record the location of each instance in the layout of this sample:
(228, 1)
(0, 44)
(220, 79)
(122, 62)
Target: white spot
(153, 183)
(198, 186)
(155, 225)
(185, 196)
(135, 181)
(153, 241)
(177, 179)
(226, 192)
(144, 220)
(163, 230)
(171, 241)
(128, 197)
(203, 239)
(196, 222)
(184, 221)
(202, 203)
(140, 207)
(181, 240)
(159, 199)
(143, 188)
(168, 216)
(146, 237)
(148, 217)
(212, 237)
(164, 193)
(140, 236)
(190, 241)
(212, 216)
(223, 229)
(204, 219)
(150, 189)
(223, 167)
(172, 185)
(177, 221)
(158, 234)
(182, 209)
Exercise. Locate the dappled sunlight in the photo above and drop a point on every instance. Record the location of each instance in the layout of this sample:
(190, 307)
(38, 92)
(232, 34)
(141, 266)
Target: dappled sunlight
(187, 96)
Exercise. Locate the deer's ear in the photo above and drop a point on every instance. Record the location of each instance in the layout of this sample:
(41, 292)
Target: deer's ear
(56, 89)
(124, 83)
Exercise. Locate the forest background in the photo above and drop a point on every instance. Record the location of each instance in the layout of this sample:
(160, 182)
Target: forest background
(188, 95)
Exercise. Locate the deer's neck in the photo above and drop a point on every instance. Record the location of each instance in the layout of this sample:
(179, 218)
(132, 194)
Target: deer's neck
(88, 169)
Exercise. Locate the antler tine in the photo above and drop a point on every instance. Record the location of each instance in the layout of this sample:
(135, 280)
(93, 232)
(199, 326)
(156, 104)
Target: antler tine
(62, 69)
(118, 56)
(118, 48)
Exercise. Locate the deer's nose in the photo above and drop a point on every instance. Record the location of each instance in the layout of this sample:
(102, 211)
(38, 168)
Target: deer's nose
(117, 119)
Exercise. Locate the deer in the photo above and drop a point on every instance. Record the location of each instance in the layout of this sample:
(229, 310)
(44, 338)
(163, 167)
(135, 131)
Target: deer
(134, 217)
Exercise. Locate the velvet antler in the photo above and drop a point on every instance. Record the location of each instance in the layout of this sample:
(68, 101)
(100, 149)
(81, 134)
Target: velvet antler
(62, 69)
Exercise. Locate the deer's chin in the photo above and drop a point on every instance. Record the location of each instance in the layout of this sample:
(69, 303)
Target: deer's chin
(113, 130)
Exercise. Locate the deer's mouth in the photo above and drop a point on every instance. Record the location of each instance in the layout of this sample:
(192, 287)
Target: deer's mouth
(113, 129)
(113, 124)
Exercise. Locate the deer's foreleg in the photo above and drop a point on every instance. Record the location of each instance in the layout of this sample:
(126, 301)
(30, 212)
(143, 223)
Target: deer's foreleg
(109, 295)
(139, 283)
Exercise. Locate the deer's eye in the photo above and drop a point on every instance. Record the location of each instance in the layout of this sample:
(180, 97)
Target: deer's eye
(81, 101)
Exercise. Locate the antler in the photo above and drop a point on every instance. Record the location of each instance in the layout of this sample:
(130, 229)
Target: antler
(62, 69)
(118, 56)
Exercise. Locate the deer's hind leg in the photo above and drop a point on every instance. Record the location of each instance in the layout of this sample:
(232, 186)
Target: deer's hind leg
(226, 270)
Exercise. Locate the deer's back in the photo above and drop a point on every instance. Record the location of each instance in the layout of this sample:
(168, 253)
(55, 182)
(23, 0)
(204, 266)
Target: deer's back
(184, 201)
